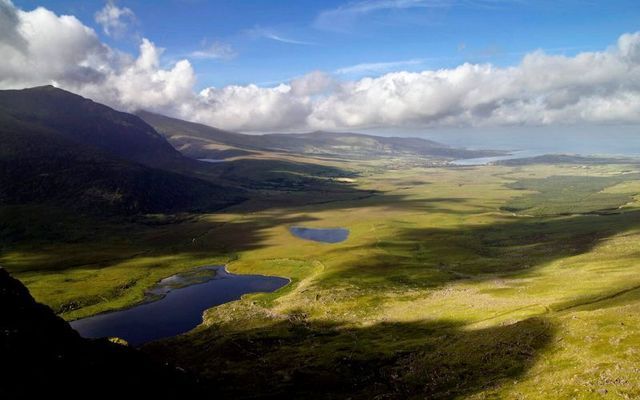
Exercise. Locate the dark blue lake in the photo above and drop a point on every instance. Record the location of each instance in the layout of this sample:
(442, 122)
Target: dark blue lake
(328, 235)
(179, 303)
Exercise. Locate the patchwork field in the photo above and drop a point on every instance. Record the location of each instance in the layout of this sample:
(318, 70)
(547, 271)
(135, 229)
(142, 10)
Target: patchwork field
(455, 282)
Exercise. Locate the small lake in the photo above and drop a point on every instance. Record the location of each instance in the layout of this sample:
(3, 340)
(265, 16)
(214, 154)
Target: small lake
(176, 305)
(326, 235)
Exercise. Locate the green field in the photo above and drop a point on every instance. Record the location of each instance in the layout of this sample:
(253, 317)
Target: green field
(477, 282)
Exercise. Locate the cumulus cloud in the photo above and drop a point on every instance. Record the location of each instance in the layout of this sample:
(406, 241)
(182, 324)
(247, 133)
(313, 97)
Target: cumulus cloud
(39, 47)
(60, 50)
(46, 48)
(115, 21)
(251, 107)
(9, 22)
(313, 83)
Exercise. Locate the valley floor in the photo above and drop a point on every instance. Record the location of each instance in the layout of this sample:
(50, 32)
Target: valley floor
(458, 282)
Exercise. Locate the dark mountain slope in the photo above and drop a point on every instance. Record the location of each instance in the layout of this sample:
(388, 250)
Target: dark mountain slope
(42, 165)
(60, 149)
(86, 122)
(42, 355)
(196, 140)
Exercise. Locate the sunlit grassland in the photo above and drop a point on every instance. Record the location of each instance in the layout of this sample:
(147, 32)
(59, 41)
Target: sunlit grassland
(435, 266)
(442, 289)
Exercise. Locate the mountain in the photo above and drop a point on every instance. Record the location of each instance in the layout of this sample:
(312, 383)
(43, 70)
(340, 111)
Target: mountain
(202, 141)
(61, 149)
(566, 159)
(361, 145)
(43, 356)
(86, 122)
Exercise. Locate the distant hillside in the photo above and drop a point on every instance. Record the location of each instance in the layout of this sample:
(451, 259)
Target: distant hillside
(567, 159)
(361, 145)
(202, 141)
(85, 156)
(43, 357)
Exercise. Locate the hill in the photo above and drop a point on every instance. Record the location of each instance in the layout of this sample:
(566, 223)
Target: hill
(552, 159)
(86, 122)
(61, 149)
(202, 141)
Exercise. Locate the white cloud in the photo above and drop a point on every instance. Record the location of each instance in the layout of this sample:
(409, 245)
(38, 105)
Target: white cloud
(341, 18)
(281, 39)
(367, 6)
(143, 83)
(543, 89)
(9, 23)
(311, 84)
(259, 32)
(61, 50)
(115, 21)
(249, 107)
(368, 68)
(46, 48)
(39, 47)
(215, 51)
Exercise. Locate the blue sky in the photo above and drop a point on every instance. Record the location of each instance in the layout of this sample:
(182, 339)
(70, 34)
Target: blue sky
(273, 41)
(395, 66)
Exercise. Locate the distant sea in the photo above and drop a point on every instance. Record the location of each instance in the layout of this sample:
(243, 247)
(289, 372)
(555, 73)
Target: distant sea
(610, 141)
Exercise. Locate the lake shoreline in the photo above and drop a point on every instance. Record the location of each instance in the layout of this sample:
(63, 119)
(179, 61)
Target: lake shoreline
(320, 235)
(237, 286)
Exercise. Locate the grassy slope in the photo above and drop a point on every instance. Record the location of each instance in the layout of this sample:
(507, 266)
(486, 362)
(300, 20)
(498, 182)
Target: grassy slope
(436, 293)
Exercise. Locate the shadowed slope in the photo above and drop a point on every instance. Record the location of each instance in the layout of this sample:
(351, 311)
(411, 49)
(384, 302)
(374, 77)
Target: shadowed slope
(41, 355)
(40, 166)
(61, 149)
(323, 360)
(86, 122)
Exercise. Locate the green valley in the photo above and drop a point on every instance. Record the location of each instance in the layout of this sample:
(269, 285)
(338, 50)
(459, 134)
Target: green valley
(455, 281)
(320, 200)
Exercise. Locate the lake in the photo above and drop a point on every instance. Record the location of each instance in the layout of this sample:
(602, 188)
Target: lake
(324, 235)
(176, 305)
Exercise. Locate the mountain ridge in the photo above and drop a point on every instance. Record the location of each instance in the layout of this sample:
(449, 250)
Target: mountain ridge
(199, 140)
(85, 121)
(47, 158)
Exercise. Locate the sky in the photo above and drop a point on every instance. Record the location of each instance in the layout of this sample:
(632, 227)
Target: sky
(390, 65)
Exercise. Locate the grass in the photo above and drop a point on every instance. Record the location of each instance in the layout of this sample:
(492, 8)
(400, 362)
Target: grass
(571, 194)
(441, 290)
